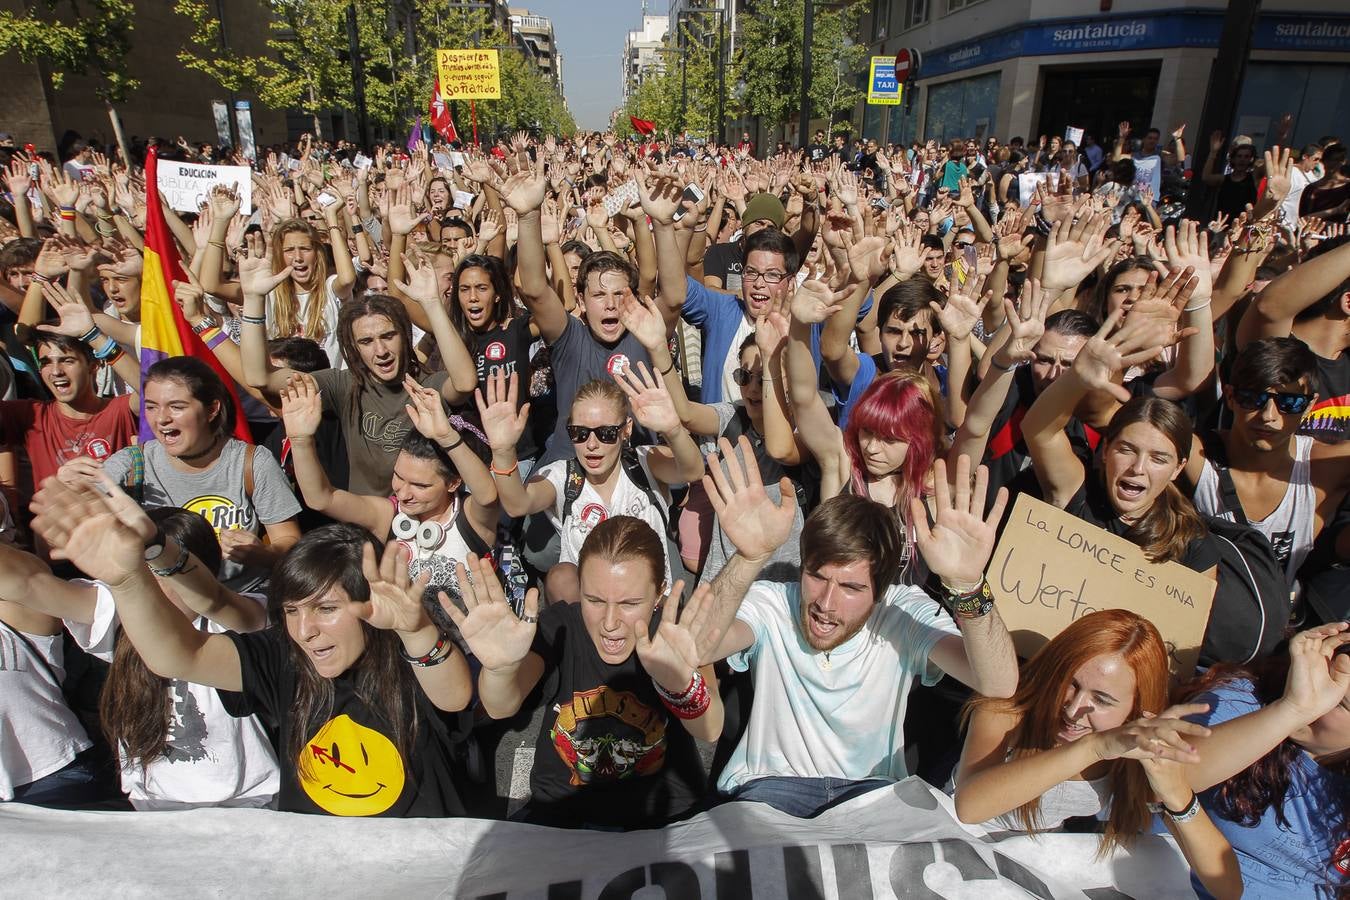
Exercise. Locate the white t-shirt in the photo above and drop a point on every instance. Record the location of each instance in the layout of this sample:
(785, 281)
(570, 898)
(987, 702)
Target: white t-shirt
(1298, 180)
(330, 319)
(589, 510)
(831, 715)
(39, 734)
(212, 758)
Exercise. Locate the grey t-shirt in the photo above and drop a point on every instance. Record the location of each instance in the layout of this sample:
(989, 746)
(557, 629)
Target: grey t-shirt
(578, 358)
(217, 495)
(374, 431)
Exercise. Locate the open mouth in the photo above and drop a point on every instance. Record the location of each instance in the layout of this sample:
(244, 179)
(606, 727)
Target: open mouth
(822, 627)
(613, 646)
(60, 384)
(386, 368)
(300, 271)
(610, 324)
(476, 313)
(758, 300)
(1070, 731)
(170, 437)
(1130, 489)
(593, 460)
(321, 655)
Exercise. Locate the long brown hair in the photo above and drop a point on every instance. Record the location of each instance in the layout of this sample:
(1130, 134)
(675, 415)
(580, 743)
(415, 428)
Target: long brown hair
(1169, 525)
(286, 309)
(134, 707)
(1039, 700)
(327, 558)
(362, 378)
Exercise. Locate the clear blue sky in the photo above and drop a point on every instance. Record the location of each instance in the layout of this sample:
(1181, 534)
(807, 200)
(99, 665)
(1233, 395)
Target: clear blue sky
(590, 35)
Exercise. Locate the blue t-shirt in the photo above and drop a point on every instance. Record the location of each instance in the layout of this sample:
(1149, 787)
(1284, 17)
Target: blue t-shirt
(720, 316)
(1279, 862)
(862, 380)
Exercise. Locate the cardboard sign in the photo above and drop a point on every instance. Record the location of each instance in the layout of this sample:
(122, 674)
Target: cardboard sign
(469, 74)
(1051, 568)
(188, 185)
(883, 87)
(1074, 136)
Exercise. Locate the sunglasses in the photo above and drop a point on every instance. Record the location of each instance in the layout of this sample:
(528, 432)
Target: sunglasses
(742, 377)
(1288, 404)
(607, 434)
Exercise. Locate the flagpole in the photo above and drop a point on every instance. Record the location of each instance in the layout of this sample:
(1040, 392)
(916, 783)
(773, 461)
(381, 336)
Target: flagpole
(473, 116)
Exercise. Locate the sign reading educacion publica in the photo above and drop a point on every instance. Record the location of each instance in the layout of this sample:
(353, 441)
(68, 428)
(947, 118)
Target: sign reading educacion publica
(1051, 568)
(882, 87)
(187, 185)
(469, 74)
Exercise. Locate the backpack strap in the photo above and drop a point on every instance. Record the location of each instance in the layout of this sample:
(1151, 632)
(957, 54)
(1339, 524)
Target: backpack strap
(574, 481)
(1217, 456)
(632, 466)
(249, 451)
(134, 482)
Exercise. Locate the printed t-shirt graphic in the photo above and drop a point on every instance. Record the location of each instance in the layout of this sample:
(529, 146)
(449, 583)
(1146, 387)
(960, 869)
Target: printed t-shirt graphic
(348, 769)
(608, 735)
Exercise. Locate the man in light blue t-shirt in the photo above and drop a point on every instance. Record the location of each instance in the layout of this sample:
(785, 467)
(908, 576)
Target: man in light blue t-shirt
(833, 656)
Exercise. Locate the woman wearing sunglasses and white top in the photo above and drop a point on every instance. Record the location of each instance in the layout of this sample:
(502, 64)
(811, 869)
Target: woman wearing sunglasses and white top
(613, 478)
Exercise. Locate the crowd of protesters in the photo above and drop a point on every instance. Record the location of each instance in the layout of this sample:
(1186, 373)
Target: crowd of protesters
(683, 444)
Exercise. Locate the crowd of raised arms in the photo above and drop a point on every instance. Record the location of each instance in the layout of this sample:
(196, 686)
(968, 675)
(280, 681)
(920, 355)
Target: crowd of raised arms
(683, 444)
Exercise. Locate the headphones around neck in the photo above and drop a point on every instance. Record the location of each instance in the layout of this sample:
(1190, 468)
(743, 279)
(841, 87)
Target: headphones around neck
(429, 535)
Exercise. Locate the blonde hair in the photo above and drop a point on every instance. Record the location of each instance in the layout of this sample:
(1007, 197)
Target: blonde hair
(286, 308)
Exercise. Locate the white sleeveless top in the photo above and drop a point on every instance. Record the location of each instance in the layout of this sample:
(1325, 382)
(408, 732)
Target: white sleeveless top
(1290, 527)
(1066, 800)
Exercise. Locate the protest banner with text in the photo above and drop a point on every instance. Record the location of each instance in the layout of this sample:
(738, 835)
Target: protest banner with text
(469, 74)
(1051, 568)
(188, 185)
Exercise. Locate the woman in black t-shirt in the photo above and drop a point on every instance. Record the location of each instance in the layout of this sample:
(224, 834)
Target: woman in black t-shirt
(1132, 492)
(354, 673)
(616, 746)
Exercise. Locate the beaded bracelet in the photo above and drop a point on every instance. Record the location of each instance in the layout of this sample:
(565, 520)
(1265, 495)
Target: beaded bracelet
(690, 704)
(438, 654)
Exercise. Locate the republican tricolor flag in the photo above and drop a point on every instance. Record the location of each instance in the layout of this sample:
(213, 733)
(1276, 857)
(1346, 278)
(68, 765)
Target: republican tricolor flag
(164, 331)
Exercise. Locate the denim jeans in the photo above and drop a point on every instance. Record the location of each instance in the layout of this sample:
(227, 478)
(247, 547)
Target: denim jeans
(805, 798)
(73, 785)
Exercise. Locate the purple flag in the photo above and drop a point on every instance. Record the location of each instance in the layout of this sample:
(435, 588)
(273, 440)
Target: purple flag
(415, 135)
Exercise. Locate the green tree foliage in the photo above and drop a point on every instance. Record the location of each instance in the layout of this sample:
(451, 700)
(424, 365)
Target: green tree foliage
(90, 37)
(686, 84)
(768, 61)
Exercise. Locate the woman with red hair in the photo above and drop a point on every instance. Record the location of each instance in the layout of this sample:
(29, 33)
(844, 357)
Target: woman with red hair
(894, 432)
(1087, 733)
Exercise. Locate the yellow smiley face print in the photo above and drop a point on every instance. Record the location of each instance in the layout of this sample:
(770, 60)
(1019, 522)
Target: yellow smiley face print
(348, 769)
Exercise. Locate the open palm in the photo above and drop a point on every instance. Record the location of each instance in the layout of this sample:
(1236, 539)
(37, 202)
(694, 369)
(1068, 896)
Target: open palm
(671, 655)
(503, 423)
(82, 526)
(497, 637)
(395, 602)
(959, 542)
(756, 525)
(649, 398)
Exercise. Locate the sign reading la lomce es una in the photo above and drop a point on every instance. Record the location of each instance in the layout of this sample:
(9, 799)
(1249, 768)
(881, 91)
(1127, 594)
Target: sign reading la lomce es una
(1051, 568)
(469, 74)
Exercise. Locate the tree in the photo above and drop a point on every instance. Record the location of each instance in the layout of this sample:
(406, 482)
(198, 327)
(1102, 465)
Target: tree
(686, 84)
(836, 60)
(91, 37)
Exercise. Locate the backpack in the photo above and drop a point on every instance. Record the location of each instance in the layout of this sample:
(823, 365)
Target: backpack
(628, 459)
(134, 482)
(1254, 593)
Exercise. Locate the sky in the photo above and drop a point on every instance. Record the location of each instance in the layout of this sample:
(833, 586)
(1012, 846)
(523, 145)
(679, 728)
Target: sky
(590, 35)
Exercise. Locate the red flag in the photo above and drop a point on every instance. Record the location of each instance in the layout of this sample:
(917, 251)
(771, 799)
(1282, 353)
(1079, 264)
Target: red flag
(164, 331)
(440, 115)
(642, 125)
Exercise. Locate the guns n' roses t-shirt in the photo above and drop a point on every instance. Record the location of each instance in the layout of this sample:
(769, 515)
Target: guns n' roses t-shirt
(350, 763)
(608, 752)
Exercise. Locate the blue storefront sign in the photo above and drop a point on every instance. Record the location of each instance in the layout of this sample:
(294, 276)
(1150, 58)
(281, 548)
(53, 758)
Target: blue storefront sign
(1153, 32)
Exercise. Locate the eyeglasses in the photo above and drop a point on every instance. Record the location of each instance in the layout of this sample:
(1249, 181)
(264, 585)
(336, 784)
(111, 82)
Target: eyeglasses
(1288, 404)
(767, 277)
(742, 377)
(607, 434)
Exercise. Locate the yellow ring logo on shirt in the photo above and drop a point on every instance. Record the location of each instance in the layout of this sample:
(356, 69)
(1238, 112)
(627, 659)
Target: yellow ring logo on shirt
(220, 513)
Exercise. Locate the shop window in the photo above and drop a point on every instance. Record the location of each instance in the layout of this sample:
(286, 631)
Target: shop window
(1317, 95)
(954, 5)
(959, 109)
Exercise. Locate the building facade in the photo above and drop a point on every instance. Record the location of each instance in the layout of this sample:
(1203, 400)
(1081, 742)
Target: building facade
(535, 35)
(1032, 67)
(643, 52)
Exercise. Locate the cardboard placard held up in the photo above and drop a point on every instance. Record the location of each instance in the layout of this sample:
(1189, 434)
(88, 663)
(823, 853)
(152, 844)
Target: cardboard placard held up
(1051, 568)
(469, 74)
(187, 185)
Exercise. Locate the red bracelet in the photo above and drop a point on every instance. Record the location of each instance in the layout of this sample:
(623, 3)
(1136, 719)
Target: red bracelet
(691, 704)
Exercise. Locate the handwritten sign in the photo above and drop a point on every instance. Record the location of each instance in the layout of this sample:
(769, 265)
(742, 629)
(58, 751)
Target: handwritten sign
(469, 74)
(188, 185)
(1051, 568)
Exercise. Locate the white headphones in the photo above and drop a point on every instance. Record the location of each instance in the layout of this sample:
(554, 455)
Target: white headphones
(426, 535)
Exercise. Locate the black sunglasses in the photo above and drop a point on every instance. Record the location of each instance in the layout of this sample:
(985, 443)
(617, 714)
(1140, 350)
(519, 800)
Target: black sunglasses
(742, 377)
(1288, 404)
(607, 434)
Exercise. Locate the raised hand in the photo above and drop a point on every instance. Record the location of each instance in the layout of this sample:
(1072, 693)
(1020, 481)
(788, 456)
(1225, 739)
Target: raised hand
(643, 320)
(865, 258)
(395, 602)
(489, 226)
(256, 278)
(756, 525)
(771, 331)
(503, 423)
(76, 319)
(1074, 249)
(1163, 301)
(660, 201)
(550, 227)
(648, 397)
(224, 202)
(420, 282)
(958, 545)
(909, 250)
(497, 637)
(1153, 737)
(1110, 351)
(301, 406)
(402, 219)
(1319, 677)
(83, 526)
(426, 411)
(1187, 246)
(814, 302)
(1279, 171)
(671, 655)
(1026, 323)
(963, 308)
(524, 192)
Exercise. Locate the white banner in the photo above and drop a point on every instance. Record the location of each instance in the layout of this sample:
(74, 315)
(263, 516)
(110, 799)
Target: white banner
(895, 842)
(188, 185)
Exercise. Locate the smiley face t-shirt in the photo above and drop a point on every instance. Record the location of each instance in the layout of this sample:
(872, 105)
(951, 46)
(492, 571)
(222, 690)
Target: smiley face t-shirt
(350, 763)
